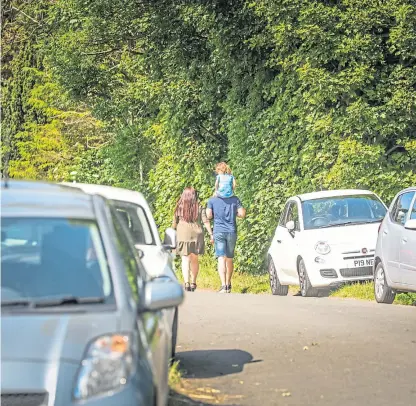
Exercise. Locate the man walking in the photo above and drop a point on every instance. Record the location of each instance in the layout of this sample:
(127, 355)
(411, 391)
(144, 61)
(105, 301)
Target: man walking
(225, 211)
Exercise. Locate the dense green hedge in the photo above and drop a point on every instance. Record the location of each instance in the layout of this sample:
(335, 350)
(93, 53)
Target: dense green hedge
(342, 94)
(297, 95)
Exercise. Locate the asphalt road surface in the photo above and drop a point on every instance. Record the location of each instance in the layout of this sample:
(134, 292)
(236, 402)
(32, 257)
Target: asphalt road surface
(269, 350)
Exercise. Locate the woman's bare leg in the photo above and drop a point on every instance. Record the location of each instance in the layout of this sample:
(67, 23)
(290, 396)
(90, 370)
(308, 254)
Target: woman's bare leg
(185, 269)
(194, 267)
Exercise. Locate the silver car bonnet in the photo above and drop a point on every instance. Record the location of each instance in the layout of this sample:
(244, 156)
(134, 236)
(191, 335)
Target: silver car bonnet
(46, 337)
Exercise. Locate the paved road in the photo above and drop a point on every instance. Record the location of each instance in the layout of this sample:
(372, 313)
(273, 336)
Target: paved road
(266, 350)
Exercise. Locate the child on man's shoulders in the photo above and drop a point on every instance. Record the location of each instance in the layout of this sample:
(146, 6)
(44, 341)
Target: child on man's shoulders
(225, 182)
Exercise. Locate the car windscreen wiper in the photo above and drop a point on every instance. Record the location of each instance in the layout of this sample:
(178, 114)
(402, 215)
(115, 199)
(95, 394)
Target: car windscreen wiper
(16, 303)
(68, 300)
(351, 223)
(53, 301)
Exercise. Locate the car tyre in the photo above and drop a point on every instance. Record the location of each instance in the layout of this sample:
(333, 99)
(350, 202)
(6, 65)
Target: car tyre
(382, 291)
(275, 286)
(174, 334)
(306, 288)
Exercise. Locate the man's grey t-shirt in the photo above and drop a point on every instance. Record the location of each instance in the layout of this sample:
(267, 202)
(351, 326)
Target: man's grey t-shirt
(224, 211)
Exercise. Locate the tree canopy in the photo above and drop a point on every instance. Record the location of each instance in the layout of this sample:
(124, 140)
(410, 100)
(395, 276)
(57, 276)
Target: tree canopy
(296, 95)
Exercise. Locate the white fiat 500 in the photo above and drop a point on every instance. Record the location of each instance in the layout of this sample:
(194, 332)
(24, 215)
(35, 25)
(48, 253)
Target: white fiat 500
(324, 239)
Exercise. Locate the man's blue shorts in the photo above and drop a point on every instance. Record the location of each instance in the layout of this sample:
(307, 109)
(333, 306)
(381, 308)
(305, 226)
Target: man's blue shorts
(225, 244)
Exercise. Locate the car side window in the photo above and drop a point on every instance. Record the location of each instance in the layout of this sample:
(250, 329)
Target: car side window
(402, 207)
(282, 221)
(135, 219)
(135, 272)
(293, 215)
(413, 212)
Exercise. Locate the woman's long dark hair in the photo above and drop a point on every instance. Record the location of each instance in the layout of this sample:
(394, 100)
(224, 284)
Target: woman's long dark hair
(187, 207)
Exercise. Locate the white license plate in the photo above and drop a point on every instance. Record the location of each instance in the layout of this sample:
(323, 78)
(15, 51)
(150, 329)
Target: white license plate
(358, 263)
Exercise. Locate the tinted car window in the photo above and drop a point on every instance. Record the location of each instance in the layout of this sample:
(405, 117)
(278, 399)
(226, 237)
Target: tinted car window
(342, 210)
(401, 207)
(135, 219)
(53, 257)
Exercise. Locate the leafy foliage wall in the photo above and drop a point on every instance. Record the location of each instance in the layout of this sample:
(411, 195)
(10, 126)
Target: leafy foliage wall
(296, 95)
(44, 133)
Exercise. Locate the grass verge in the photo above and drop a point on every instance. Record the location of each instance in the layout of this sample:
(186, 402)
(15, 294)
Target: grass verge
(242, 282)
(175, 375)
(365, 291)
(256, 284)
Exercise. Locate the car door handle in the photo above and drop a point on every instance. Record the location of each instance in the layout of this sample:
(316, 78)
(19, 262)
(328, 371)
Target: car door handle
(385, 232)
(279, 241)
(404, 240)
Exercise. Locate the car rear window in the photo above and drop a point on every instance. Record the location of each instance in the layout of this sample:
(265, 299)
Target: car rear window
(47, 257)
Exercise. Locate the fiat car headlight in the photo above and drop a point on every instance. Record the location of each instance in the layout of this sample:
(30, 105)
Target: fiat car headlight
(322, 248)
(107, 366)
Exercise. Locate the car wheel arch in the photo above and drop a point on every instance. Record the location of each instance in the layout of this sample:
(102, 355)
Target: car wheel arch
(377, 261)
(388, 294)
(276, 287)
(270, 258)
(310, 290)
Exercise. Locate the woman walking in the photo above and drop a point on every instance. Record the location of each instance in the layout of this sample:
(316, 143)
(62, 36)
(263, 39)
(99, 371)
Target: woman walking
(188, 220)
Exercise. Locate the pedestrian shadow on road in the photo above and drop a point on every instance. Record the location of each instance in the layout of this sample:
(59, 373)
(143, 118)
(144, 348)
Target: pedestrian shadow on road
(213, 363)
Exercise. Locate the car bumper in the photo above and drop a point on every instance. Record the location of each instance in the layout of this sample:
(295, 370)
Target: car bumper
(333, 273)
(26, 379)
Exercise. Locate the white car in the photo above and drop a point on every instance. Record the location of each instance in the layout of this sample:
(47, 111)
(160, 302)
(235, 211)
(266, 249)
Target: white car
(156, 255)
(325, 239)
(395, 259)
